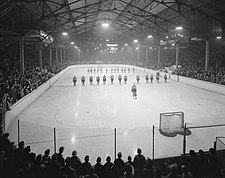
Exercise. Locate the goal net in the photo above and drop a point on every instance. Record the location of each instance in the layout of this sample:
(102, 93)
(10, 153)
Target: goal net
(171, 123)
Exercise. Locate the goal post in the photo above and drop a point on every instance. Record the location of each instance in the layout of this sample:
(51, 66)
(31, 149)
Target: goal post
(172, 123)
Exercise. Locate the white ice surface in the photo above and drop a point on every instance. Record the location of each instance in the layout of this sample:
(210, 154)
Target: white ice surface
(85, 116)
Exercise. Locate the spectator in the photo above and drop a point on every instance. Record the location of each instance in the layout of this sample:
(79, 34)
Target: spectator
(76, 163)
(139, 162)
(68, 170)
(60, 158)
(118, 167)
(86, 166)
(99, 168)
(173, 172)
(108, 167)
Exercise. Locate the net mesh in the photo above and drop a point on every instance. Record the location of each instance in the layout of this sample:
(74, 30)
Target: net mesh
(171, 123)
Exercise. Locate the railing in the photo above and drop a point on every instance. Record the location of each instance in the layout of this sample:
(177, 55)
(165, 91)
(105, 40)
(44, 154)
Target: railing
(109, 141)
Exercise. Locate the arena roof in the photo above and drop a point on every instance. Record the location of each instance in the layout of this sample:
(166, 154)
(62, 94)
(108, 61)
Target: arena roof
(128, 19)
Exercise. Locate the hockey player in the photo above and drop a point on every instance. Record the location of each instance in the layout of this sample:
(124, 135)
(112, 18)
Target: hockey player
(91, 80)
(125, 79)
(74, 80)
(111, 78)
(147, 78)
(134, 90)
(133, 69)
(88, 70)
(119, 78)
(98, 79)
(157, 77)
(137, 78)
(82, 80)
(106, 70)
(104, 79)
(165, 77)
(122, 70)
(151, 78)
(128, 70)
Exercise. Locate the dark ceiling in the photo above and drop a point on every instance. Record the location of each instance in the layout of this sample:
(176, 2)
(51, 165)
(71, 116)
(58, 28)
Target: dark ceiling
(128, 19)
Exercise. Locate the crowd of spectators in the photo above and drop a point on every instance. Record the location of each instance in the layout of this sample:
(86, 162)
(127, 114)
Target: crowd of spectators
(21, 162)
(192, 61)
(13, 83)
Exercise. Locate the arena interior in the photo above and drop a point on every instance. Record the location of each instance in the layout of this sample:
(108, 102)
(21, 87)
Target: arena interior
(112, 89)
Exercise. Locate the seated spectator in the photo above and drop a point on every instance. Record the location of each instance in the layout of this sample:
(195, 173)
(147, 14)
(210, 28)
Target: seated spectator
(68, 170)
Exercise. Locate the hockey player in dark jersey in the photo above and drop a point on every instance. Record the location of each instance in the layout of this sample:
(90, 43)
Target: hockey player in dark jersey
(82, 80)
(119, 78)
(165, 77)
(134, 90)
(151, 78)
(137, 78)
(111, 78)
(98, 79)
(125, 79)
(104, 79)
(157, 77)
(91, 80)
(147, 78)
(74, 80)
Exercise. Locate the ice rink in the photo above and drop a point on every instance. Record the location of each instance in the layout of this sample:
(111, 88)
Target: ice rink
(85, 116)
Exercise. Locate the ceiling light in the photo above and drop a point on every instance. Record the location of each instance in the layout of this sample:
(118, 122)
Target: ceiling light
(105, 25)
(135, 41)
(149, 36)
(218, 37)
(179, 28)
(64, 33)
(72, 43)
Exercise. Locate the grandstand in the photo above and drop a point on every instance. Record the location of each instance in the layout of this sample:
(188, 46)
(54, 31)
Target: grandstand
(53, 127)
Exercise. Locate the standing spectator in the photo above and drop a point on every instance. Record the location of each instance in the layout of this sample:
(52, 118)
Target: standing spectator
(214, 164)
(99, 168)
(68, 170)
(129, 168)
(139, 162)
(108, 167)
(118, 167)
(60, 158)
(86, 166)
(46, 157)
(203, 165)
(76, 163)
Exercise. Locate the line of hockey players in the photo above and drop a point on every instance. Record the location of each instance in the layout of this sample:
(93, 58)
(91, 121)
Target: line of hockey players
(120, 78)
(112, 70)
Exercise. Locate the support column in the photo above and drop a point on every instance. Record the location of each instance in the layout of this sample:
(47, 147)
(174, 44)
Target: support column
(64, 53)
(21, 55)
(177, 55)
(146, 57)
(131, 55)
(206, 55)
(50, 55)
(61, 54)
(40, 56)
(159, 54)
(56, 55)
(138, 56)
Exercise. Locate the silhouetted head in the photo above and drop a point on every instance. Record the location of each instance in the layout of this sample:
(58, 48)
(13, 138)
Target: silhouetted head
(108, 158)
(86, 158)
